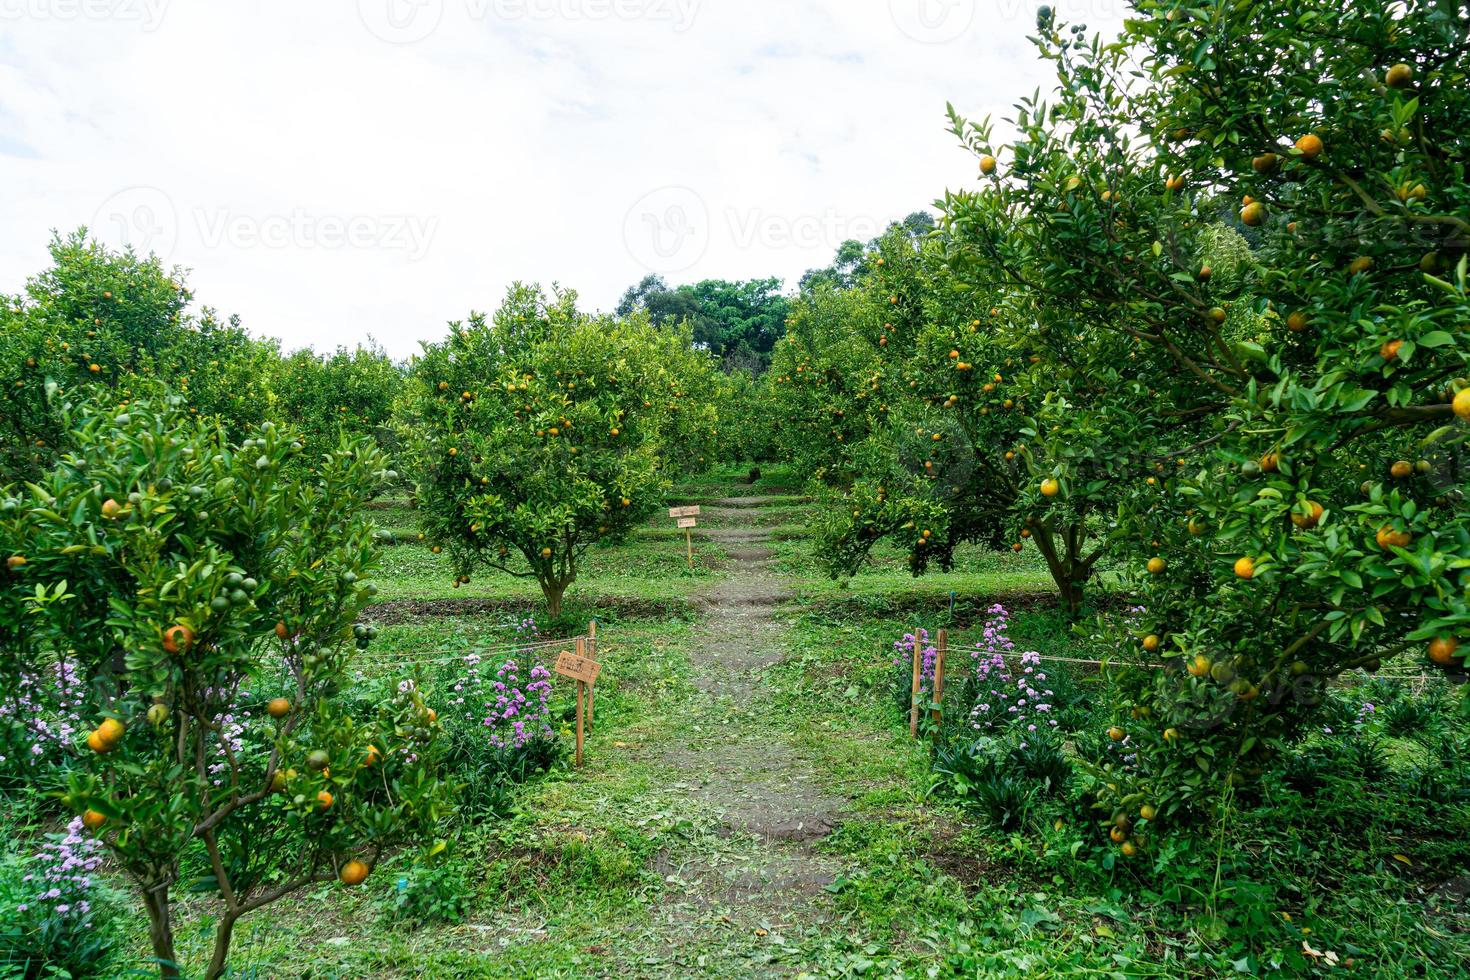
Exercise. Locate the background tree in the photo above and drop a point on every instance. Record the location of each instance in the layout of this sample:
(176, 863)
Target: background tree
(739, 322)
(346, 392)
(537, 434)
(104, 319)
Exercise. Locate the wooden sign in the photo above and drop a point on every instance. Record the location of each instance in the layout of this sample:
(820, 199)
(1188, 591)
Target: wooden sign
(683, 512)
(577, 667)
(688, 522)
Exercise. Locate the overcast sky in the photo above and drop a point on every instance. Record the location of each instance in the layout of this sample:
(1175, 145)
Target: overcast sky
(333, 169)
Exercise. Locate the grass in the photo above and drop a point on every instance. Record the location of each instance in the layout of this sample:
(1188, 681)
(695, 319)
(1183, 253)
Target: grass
(623, 868)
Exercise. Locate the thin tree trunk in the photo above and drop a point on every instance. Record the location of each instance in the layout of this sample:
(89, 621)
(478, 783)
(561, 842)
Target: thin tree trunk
(222, 937)
(161, 932)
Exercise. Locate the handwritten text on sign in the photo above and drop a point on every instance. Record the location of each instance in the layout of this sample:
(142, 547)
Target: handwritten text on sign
(568, 664)
(688, 522)
(683, 512)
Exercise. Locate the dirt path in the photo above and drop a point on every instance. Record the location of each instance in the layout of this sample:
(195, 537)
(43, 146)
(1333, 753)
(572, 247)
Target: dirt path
(741, 767)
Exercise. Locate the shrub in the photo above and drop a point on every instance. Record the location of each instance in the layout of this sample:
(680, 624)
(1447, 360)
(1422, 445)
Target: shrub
(433, 892)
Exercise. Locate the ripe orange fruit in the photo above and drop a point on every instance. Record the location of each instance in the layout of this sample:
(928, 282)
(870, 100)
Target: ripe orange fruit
(1198, 667)
(111, 509)
(1270, 463)
(545, 552)
(93, 820)
(1129, 849)
(353, 873)
(1399, 76)
(1297, 321)
(1116, 734)
(987, 165)
(1156, 565)
(1310, 146)
(1050, 488)
(372, 757)
(1253, 214)
(282, 631)
(432, 715)
(1265, 163)
(1148, 811)
(1171, 734)
(1388, 538)
(278, 707)
(1017, 546)
(1360, 265)
(1175, 182)
(1461, 406)
(1402, 470)
(1390, 350)
(15, 562)
(1151, 643)
(111, 730)
(97, 743)
(1442, 650)
(1245, 567)
(1310, 519)
(94, 368)
(1118, 834)
(177, 639)
(324, 800)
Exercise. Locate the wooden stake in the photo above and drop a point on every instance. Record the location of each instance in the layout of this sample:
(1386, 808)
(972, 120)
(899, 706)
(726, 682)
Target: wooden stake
(939, 682)
(689, 546)
(914, 696)
(581, 689)
(591, 652)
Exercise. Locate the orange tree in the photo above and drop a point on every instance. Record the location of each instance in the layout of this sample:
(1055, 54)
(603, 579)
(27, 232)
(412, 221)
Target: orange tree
(1267, 202)
(538, 433)
(345, 392)
(98, 319)
(949, 418)
(173, 572)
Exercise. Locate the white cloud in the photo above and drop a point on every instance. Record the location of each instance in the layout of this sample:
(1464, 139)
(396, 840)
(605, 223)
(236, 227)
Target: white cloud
(327, 184)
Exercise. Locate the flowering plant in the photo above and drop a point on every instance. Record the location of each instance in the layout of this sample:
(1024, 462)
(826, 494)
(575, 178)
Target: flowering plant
(1006, 697)
(41, 718)
(55, 915)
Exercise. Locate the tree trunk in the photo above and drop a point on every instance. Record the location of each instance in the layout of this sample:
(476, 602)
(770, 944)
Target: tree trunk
(1067, 572)
(222, 937)
(161, 932)
(553, 592)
